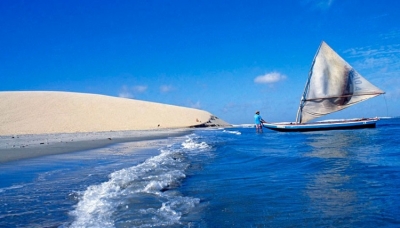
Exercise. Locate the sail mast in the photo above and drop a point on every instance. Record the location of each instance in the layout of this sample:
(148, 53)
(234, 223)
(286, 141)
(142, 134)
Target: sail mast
(306, 87)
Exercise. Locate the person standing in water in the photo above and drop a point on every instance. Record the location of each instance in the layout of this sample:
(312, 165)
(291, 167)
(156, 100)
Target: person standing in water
(259, 121)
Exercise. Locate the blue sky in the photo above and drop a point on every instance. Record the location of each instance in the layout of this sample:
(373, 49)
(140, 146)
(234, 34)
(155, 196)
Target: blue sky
(230, 58)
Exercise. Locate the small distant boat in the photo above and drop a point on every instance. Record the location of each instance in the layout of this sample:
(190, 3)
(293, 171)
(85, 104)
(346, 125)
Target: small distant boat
(332, 85)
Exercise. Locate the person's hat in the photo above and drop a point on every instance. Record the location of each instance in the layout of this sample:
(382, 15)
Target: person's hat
(257, 112)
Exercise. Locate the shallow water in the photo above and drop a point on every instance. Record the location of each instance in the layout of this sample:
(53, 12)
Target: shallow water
(214, 178)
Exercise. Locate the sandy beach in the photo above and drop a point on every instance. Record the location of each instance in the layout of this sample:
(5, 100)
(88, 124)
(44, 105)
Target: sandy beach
(37, 123)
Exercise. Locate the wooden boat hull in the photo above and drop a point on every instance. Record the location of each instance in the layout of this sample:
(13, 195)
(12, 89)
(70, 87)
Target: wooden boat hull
(323, 126)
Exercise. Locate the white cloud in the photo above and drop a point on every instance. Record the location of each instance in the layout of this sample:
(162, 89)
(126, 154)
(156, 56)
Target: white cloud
(140, 88)
(394, 34)
(374, 52)
(195, 105)
(269, 78)
(128, 92)
(166, 88)
(382, 59)
(125, 94)
(380, 64)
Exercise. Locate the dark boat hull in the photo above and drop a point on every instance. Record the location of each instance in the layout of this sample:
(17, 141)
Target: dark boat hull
(323, 126)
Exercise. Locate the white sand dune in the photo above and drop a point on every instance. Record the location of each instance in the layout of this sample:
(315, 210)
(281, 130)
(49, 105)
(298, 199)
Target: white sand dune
(65, 112)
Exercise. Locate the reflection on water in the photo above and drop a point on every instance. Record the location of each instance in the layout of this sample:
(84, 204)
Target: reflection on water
(338, 189)
(329, 196)
(330, 190)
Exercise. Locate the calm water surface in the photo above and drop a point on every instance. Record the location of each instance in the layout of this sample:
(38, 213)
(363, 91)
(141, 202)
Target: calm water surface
(214, 178)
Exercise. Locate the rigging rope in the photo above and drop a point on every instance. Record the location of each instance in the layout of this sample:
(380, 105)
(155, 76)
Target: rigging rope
(387, 112)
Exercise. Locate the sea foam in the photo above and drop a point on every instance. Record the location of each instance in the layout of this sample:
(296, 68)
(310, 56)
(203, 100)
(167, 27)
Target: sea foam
(147, 192)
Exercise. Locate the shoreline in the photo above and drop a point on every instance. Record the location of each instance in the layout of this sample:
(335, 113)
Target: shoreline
(39, 123)
(19, 147)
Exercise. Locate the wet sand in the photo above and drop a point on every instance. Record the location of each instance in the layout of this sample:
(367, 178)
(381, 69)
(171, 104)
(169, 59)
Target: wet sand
(30, 146)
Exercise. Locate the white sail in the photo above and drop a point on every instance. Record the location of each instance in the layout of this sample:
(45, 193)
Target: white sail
(333, 85)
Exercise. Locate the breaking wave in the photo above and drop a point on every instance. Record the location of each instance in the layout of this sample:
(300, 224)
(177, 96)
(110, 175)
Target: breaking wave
(144, 195)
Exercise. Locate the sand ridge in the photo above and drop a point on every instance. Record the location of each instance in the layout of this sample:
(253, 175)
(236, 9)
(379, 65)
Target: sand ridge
(46, 112)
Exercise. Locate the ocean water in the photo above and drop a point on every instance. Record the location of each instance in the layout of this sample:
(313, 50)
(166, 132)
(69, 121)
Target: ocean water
(214, 178)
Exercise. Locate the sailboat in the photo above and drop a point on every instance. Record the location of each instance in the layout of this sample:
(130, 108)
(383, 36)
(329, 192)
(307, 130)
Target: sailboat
(332, 85)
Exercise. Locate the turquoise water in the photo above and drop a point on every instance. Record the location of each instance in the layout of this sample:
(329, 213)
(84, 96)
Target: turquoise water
(214, 178)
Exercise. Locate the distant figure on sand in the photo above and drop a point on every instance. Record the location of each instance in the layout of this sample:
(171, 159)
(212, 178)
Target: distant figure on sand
(258, 121)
